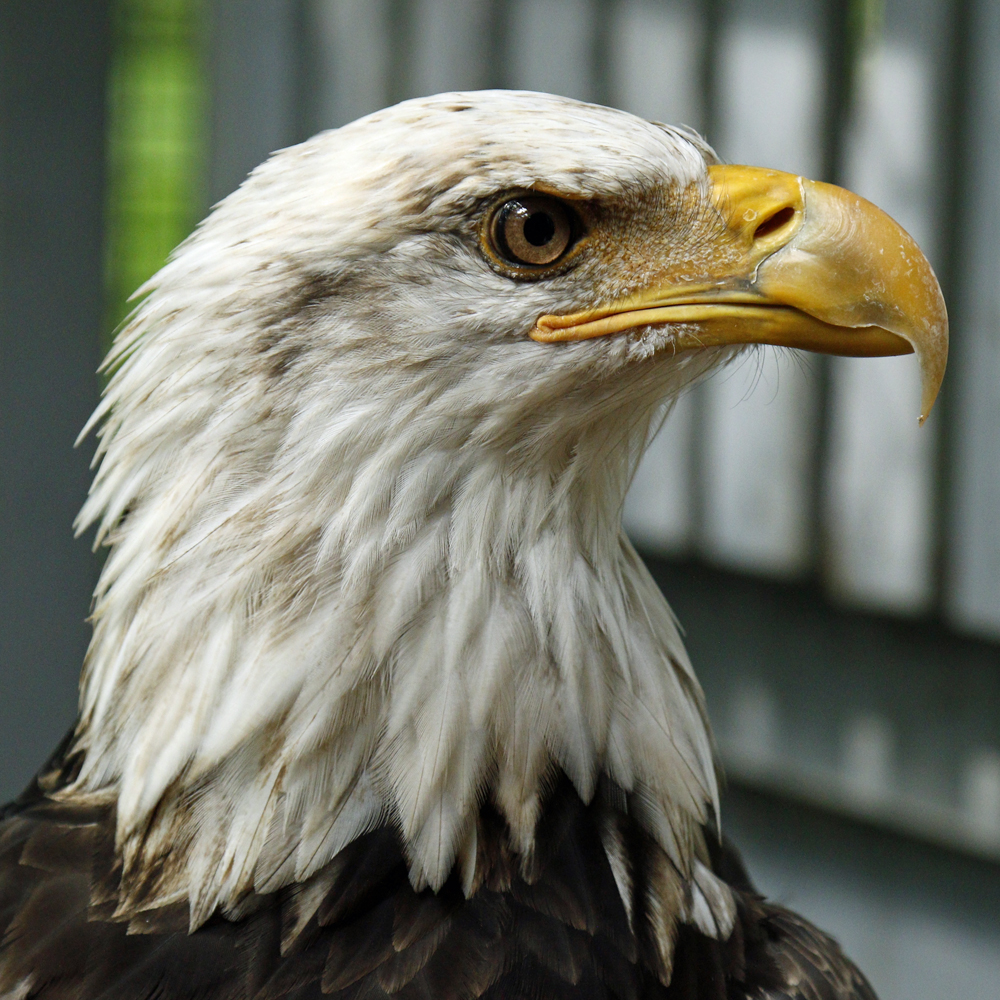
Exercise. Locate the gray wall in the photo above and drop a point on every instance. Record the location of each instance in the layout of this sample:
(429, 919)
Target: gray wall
(53, 58)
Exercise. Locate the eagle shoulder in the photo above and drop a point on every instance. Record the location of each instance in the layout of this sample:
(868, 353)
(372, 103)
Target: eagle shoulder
(553, 929)
(781, 955)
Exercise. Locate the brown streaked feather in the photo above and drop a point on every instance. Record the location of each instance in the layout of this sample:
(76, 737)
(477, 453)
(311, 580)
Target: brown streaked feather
(416, 918)
(810, 962)
(359, 948)
(359, 931)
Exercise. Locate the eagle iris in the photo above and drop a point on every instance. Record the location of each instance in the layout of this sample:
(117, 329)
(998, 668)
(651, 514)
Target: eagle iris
(532, 231)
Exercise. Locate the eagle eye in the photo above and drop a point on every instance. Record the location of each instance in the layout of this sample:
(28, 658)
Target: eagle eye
(532, 230)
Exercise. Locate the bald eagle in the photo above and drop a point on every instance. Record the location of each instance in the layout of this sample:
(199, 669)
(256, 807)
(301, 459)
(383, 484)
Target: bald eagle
(380, 699)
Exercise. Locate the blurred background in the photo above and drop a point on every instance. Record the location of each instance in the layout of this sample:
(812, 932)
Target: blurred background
(837, 568)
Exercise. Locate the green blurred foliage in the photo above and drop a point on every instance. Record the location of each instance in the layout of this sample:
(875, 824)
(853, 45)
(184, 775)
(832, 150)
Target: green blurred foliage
(157, 134)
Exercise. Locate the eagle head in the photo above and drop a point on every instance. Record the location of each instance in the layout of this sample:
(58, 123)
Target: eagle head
(363, 454)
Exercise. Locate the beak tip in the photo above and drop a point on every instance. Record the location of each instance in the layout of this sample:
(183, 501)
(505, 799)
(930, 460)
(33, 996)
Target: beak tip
(929, 393)
(933, 355)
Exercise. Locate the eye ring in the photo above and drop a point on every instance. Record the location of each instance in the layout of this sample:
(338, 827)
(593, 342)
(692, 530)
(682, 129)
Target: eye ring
(532, 232)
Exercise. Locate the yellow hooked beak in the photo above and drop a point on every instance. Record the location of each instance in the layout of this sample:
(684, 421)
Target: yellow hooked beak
(815, 267)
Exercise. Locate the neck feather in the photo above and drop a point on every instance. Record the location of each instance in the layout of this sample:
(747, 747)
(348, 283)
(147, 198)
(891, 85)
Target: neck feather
(314, 629)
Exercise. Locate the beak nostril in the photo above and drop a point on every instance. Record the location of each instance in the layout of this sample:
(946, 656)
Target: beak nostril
(774, 222)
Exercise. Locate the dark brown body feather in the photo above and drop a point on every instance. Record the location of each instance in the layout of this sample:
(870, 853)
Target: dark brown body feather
(358, 931)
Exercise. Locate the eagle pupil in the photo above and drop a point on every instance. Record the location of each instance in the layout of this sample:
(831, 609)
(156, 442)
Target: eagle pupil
(532, 231)
(539, 228)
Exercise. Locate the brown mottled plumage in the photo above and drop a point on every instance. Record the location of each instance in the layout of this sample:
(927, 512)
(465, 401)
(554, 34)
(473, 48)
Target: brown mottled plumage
(358, 930)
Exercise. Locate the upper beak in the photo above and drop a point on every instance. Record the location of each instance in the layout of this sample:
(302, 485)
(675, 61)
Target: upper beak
(804, 264)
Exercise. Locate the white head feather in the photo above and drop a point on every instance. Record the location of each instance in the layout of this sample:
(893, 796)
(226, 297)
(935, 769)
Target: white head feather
(366, 554)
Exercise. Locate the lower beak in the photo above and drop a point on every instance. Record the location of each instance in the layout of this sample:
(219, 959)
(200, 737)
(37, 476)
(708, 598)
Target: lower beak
(816, 268)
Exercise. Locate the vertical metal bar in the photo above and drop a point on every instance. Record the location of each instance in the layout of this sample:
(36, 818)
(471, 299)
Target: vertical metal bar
(973, 598)
(401, 18)
(954, 166)
(253, 75)
(841, 44)
(306, 70)
(498, 30)
(351, 48)
(879, 497)
(550, 47)
(654, 67)
(713, 13)
(53, 68)
(652, 51)
(448, 46)
(602, 18)
(758, 417)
